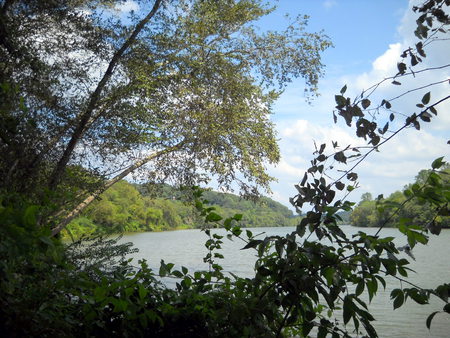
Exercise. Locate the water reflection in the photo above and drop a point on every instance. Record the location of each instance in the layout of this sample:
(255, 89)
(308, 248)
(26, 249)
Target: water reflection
(432, 266)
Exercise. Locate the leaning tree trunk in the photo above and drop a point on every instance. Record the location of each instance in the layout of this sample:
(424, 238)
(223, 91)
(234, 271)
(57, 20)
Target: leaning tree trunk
(84, 118)
(88, 200)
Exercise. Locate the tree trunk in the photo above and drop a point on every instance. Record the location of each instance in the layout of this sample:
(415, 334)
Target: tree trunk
(88, 200)
(86, 116)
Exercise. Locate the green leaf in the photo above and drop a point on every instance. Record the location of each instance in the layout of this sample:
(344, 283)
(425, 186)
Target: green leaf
(447, 308)
(348, 309)
(421, 238)
(343, 89)
(359, 288)
(177, 274)
(227, 223)
(340, 157)
(399, 298)
(372, 287)
(29, 216)
(401, 67)
(252, 244)
(213, 217)
(443, 291)
(418, 297)
(340, 185)
(99, 293)
(162, 269)
(340, 101)
(328, 273)
(425, 117)
(142, 292)
(437, 163)
(365, 103)
(237, 217)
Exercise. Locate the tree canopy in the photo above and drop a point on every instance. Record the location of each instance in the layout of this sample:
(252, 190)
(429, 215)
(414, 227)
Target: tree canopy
(183, 87)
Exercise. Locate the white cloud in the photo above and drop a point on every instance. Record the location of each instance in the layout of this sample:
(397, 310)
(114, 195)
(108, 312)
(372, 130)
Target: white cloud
(400, 159)
(384, 66)
(396, 165)
(329, 4)
(304, 133)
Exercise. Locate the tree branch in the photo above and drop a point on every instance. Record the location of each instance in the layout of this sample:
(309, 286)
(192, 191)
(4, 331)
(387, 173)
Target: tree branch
(88, 200)
(95, 97)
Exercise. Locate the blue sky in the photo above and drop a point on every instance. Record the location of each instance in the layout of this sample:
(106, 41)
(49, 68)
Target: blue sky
(368, 37)
(359, 29)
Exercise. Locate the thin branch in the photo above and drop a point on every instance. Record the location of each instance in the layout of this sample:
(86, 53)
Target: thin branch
(418, 88)
(283, 322)
(375, 86)
(95, 97)
(386, 140)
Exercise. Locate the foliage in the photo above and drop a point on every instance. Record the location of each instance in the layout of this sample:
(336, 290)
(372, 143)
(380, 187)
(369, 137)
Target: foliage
(91, 289)
(130, 208)
(168, 87)
(315, 278)
(414, 208)
(352, 266)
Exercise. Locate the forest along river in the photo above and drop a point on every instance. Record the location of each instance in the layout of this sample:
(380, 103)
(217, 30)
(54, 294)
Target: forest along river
(432, 266)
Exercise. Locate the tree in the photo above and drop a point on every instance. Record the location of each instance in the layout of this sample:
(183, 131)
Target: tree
(366, 197)
(298, 280)
(171, 87)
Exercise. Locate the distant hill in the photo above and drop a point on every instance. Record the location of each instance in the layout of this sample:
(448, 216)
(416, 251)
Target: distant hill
(133, 208)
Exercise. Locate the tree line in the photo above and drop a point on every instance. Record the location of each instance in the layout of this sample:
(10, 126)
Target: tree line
(130, 207)
(379, 212)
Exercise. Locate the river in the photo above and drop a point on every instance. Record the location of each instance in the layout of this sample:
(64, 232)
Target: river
(432, 266)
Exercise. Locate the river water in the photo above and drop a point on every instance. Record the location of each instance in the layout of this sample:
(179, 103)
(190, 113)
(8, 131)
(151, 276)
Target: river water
(432, 266)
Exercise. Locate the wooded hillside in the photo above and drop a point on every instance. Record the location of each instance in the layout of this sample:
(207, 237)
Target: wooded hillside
(131, 208)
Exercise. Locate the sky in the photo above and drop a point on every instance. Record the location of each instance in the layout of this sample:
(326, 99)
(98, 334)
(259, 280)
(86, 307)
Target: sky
(368, 38)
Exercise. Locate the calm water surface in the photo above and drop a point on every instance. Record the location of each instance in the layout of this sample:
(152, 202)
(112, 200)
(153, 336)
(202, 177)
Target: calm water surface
(432, 266)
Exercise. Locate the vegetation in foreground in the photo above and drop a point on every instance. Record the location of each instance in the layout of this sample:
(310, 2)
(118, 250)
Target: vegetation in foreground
(66, 128)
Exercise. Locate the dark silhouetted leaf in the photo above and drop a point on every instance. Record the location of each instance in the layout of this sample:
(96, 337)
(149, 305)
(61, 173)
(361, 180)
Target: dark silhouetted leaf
(365, 103)
(426, 98)
(430, 318)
